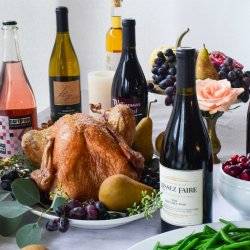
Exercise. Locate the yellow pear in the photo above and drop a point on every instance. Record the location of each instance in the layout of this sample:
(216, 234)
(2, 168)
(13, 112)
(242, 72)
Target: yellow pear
(35, 247)
(204, 67)
(143, 137)
(119, 192)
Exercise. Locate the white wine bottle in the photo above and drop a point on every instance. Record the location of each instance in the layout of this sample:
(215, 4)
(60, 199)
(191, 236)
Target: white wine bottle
(64, 71)
(186, 159)
(114, 37)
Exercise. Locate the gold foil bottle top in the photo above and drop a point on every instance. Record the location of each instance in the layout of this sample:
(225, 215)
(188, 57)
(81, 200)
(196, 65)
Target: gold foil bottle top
(116, 3)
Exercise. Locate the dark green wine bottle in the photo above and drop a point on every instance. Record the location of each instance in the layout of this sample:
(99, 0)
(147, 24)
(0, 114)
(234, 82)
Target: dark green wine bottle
(186, 159)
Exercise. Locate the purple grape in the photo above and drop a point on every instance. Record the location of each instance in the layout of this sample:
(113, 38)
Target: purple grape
(224, 69)
(162, 71)
(228, 61)
(10, 175)
(52, 225)
(169, 52)
(232, 76)
(160, 54)
(163, 84)
(165, 66)
(159, 61)
(222, 74)
(6, 185)
(168, 100)
(63, 224)
(171, 59)
(100, 207)
(155, 70)
(245, 175)
(151, 86)
(247, 74)
(74, 203)
(77, 213)
(92, 213)
(170, 90)
(171, 78)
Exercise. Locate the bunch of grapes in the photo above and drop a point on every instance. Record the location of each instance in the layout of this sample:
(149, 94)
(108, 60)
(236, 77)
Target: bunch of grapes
(236, 76)
(164, 72)
(150, 175)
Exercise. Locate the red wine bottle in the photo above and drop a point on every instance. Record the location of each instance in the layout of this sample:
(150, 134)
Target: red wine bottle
(129, 85)
(186, 159)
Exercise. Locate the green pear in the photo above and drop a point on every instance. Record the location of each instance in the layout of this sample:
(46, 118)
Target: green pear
(143, 137)
(204, 67)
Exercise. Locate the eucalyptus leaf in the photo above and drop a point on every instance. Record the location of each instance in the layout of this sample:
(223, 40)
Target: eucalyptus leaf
(4, 195)
(57, 202)
(12, 209)
(26, 191)
(9, 226)
(28, 235)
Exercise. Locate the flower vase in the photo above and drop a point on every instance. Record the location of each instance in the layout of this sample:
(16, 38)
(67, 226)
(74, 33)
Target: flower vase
(215, 142)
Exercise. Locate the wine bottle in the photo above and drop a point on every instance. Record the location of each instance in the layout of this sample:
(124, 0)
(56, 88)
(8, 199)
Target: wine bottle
(17, 102)
(114, 37)
(64, 71)
(248, 131)
(186, 159)
(129, 84)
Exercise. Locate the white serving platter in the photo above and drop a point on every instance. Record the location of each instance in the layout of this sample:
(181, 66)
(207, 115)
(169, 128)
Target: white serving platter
(92, 224)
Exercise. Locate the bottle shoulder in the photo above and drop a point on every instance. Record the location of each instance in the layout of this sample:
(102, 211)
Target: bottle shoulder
(63, 60)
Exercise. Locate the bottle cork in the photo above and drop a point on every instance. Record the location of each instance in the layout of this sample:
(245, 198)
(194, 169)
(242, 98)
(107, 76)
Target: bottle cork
(116, 3)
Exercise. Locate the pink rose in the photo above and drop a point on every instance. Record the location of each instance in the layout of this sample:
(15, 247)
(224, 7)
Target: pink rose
(215, 96)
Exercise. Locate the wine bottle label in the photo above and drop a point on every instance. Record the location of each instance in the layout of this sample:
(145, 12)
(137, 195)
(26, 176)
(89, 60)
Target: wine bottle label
(11, 132)
(67, 93)
(112, 60)
(134, 104)
(182, 195)
(65, 96)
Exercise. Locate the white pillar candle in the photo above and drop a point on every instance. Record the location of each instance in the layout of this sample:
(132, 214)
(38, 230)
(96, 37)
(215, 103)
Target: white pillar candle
(99, 87)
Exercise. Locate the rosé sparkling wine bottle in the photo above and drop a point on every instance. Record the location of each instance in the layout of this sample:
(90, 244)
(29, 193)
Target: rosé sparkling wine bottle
(17, 103)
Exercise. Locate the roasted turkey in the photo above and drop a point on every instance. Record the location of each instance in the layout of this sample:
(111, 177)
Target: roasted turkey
(78, 152)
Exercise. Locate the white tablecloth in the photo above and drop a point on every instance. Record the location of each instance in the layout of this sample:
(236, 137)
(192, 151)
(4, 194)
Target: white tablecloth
(232, 134)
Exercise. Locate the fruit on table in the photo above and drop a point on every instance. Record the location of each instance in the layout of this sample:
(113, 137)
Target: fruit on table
(204, 67)
(143, 136)
(119, 192)
(158, 142)
(238, 166)
(163, 49)
(35, 247)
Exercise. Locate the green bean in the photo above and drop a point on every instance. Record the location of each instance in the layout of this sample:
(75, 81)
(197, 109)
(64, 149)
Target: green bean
(225, 237)
(191, 244)
(209, 230)
(237, 245)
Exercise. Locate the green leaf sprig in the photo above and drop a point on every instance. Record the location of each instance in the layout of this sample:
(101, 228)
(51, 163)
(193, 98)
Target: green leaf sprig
(149, 204)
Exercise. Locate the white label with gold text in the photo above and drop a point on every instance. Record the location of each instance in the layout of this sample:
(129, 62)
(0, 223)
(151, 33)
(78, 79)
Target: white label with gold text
(182, 195)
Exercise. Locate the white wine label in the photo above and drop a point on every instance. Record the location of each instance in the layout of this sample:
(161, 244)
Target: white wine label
(112, 60)
(67, 93)
(11, 131)
(182, 195)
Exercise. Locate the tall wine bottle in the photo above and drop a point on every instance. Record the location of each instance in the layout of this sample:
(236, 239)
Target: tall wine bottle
(186, 159)
(64, 71)
(129, 85)
(114, 37)
(17, 102)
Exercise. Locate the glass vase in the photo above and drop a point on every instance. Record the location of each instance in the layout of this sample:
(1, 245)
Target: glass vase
(215, 142)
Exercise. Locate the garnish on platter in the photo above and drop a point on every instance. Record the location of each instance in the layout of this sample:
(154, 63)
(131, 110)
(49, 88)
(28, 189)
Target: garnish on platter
(86, 169)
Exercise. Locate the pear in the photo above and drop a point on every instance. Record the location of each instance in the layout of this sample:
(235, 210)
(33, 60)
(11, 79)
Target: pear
(119, 192)
(158, 142)
(143, 136)
(204, 67)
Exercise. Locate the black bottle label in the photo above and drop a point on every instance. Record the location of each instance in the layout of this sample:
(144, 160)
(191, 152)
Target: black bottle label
(134, 104)
(182, 195)
(65, 96)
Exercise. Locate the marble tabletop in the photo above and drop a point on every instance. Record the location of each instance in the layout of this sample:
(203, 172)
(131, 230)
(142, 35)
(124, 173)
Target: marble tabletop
(231, 132)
